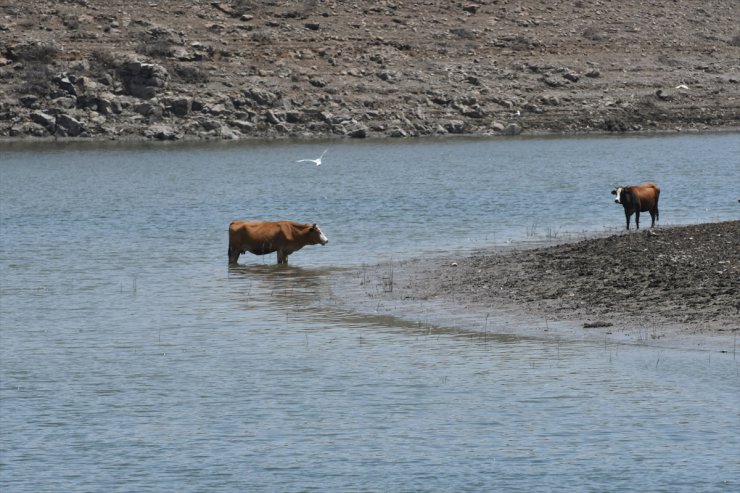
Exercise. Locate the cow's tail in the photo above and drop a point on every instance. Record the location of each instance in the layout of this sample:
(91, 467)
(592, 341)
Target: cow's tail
(233, 255)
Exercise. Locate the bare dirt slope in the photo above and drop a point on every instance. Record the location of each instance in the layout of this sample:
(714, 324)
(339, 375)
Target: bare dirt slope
(655, 286)
(241, 68)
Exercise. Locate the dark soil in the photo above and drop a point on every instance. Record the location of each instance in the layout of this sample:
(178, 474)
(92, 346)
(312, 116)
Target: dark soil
(679, 275)
(669, 283)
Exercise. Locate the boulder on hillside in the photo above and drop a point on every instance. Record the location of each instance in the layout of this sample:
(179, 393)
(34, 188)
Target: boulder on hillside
(572, 76)
(30, 101)
(162, 132)
(66, 83)
(44, 119)
(454, 126)
(358, 132)
(261, 97)
(150, 109)
(85, 85)
(243, 126)
(68, 126)
(65, 102)
(178, 105)
(143, 80)
(28, 128)
(108, 104)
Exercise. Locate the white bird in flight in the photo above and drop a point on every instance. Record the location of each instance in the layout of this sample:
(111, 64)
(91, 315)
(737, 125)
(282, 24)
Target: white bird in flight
(315, 161)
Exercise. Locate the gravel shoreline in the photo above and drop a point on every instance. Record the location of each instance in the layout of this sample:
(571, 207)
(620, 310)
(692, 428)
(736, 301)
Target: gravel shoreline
(671, 287)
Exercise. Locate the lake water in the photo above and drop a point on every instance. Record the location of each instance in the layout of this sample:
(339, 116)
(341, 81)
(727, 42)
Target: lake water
(133, 359)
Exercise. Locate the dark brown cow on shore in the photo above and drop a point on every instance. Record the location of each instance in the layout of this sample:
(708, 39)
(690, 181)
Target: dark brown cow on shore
(261, 238)
(638, 198)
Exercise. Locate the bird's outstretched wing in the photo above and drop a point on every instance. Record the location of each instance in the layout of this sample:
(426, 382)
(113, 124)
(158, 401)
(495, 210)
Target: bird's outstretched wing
(316, 161)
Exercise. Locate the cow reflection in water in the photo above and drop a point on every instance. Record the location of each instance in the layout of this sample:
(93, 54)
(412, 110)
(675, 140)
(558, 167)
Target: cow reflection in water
(264, 237)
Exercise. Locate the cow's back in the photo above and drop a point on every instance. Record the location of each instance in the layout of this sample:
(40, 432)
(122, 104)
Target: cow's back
(258, 237)
(651, 186)
(648, 195)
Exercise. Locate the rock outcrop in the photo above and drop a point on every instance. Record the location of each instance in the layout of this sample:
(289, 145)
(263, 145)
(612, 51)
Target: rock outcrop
(143, 80)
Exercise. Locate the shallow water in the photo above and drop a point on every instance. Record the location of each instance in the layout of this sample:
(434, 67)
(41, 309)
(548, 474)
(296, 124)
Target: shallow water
(133, 359)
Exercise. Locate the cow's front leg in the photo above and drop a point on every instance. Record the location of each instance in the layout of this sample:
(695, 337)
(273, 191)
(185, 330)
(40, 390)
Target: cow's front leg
(637, 219)
(282, 257)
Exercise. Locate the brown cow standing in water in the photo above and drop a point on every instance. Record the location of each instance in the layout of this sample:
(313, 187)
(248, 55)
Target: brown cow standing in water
(261, 238)
(638, 198)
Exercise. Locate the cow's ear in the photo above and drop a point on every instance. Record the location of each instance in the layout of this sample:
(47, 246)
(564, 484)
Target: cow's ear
(313, 226)
(614, 192)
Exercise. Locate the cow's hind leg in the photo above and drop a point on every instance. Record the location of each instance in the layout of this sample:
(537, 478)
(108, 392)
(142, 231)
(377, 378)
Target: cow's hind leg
(637, 220)
(233, 255)
(657, 213)
(282, 257)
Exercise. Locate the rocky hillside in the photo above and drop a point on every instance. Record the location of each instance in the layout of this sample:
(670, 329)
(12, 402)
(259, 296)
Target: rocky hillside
(331, 68)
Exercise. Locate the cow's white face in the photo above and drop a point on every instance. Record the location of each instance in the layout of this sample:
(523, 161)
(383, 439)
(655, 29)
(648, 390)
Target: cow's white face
(322, 237)
(618, 194)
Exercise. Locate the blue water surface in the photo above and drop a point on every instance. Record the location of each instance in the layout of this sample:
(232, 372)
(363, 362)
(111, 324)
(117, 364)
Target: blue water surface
(133, 359)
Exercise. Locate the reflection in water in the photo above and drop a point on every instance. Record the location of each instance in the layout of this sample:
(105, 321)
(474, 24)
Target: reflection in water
(285, 285)
(307, 294)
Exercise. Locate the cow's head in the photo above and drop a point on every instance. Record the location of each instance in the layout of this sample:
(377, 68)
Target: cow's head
(318, 235)
(624, 196)
(618, 193)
